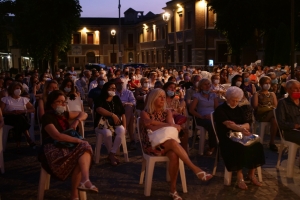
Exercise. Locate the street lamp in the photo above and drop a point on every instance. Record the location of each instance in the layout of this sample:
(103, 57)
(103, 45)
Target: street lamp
(113, 33)
(166, 17)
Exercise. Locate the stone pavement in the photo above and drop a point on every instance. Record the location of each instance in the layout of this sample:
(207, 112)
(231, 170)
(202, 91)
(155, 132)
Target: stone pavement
(21, 178)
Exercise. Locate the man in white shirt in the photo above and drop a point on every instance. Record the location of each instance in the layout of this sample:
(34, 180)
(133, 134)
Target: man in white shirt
(231, 74)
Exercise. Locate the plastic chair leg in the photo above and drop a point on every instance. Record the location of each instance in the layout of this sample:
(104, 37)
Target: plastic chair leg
(279, 155)
(291, 160)
(227, 177)
(43, 184)
(148, 179)
(216, 162)
(202, 141)
(142, 176)
(259, 174)
(125, 152)
(98, 147)
(182, 176)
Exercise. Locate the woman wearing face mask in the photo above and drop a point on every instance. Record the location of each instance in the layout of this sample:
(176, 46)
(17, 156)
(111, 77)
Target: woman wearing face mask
(263, 103)
(133, 84)
(223, 76)
(165, 76)
(69, 89)
(110, 117)
(204, 102)
(230, 117)
(63, 161)
(140, 95)
(177, 107)
(247, 85)
(15, 109)
(49, 87)
(216, 87)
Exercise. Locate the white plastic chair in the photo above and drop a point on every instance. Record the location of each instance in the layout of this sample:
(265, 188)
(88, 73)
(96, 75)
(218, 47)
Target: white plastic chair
(293, 147)
(202, 135)
(76, 105)
(1, 152)
(6, 129)
(148, 165)
(227, 175)
(99, 139)
(262, 126)
(44, 184)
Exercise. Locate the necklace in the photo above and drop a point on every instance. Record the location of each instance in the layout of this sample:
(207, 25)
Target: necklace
(113, 106)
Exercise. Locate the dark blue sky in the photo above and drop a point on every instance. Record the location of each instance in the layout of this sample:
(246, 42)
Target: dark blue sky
(109, 8)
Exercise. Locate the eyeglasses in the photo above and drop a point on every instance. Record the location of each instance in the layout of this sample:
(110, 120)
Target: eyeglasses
(61, 102)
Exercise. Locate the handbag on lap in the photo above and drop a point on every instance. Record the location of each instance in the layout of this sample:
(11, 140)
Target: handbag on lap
(242, 139)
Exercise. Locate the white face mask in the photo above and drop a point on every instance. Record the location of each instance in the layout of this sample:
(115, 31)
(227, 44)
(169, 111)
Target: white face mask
(111, 93)
(145, 85)
(60, 110)
(67, 89)
(133, 78)
(238, 83)
(266, 86)
(197, 84)
(17, 92)
(216, 81)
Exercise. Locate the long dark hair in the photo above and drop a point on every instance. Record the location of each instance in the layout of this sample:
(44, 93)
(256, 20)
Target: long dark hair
(235, 78)
(104, 92)
(52, 97)
(165, 87)
(64, 83)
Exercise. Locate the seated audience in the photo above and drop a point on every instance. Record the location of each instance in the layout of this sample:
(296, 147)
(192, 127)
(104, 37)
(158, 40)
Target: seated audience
(95, 92)
(69, 89)
(140, 95)
(49, 87)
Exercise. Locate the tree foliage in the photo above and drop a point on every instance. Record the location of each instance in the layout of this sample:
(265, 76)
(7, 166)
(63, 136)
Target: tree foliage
(44, 27)
(6, 8)
(237, 20)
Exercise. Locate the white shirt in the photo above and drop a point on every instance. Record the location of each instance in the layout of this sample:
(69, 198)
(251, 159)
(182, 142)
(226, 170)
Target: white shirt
(12, 104)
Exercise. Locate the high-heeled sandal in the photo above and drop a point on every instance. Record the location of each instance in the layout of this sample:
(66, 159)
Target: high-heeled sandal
(205, 177)
(84, 188)
(242, 185)
(175, 196)
(254, 181)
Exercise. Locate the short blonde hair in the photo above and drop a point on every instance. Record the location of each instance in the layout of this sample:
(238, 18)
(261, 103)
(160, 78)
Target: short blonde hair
(151, 97)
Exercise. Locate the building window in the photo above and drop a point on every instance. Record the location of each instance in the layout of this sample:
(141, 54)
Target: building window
(172, 52)
(189, 20)
(130, 57)
(76, 38)
(90, 38)
(152, 57)
(157, 57)
(113, 57)
(180, 53)
(143, 57)
(181, 23)
(147, 57)
(76, 61)
(189, 53)
(130, 40)
(172, 24)
(158, 36)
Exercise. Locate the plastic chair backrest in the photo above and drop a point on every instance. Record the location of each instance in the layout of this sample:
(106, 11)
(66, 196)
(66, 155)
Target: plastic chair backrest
(280, 131)
(138, 129)
(74, 105)
(213, 125)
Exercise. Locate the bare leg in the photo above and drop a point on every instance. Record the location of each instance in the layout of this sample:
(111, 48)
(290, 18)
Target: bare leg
(84, 164)
(172, 145)
(173, 169)
(240, 180)
(76, 177)
(253, 179)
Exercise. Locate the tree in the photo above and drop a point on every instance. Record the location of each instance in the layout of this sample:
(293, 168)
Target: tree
(6, 7)
(45, 27)
(237, 20)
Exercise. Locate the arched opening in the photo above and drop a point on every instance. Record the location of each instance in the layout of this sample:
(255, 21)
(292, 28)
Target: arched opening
(130, 57)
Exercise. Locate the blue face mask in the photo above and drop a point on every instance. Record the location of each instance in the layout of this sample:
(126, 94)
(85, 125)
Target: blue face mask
(205, 91)
(246, 80)
(170, 93)
(274, 81)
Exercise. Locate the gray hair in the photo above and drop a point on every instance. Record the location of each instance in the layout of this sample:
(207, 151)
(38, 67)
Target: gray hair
(201, 82)
(234, 92)
(290, 83)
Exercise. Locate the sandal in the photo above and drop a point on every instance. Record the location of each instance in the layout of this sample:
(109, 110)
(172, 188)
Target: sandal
(175, 196)
(84, 188)
(242, 185)
(254, 181)
(204, 177)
